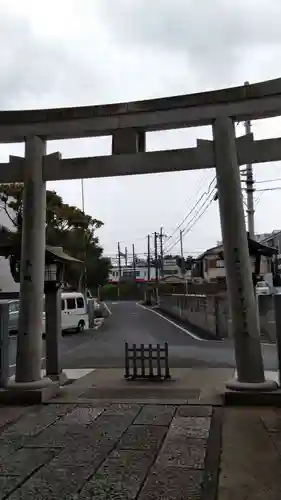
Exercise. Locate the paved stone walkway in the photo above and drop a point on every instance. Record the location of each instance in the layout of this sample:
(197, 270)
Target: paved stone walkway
(104, 451)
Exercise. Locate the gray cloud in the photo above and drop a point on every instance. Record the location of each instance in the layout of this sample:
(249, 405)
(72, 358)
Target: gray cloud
(38, 71)
(211, 36)
(70, 53)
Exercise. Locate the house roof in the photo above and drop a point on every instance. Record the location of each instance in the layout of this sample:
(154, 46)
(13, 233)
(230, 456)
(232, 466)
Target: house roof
(254, 248)
(261, 248)
(210, 251)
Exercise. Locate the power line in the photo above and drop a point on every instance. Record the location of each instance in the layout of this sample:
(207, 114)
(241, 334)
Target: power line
(191, 224)
(268, 180)
(206, 193)
(197, 188)
(269, 189)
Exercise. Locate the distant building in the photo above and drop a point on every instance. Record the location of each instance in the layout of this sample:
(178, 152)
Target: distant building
(128, 273)
(170, 268)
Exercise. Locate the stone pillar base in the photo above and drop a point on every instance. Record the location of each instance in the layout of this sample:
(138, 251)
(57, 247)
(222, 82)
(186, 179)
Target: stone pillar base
(267, 385)
(29, 393)
(265, 393)
(61, 378)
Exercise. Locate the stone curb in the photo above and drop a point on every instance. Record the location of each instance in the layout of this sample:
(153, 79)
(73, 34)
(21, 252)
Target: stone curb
(212, 461)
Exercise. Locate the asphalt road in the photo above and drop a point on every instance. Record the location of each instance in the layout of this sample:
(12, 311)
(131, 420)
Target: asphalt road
(130, 322)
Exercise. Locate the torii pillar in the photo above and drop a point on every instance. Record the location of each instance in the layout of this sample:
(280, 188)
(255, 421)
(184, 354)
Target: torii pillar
(29, 386)
(242, 303)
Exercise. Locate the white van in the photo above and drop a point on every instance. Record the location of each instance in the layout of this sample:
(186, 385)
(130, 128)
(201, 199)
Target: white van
(74, 315)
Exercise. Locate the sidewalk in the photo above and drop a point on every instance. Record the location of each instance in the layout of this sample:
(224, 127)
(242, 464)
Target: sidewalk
(81, 447)
(251, 454)
(114, 451)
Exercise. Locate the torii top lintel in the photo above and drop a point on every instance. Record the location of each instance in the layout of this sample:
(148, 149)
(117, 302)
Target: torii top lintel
(246, 102)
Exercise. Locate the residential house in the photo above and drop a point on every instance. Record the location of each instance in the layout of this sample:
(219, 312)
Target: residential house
(210, 265)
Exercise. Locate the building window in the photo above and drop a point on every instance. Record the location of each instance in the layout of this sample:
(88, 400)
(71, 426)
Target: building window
(127, 273)
(212, 263)
(130, 273)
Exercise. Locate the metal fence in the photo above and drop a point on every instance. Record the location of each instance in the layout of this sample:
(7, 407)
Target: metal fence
(146, 362)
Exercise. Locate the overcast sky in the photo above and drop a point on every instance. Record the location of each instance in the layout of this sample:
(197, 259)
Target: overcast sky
(72, 53)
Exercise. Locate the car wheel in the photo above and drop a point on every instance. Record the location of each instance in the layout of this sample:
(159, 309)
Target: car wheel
(81, 327)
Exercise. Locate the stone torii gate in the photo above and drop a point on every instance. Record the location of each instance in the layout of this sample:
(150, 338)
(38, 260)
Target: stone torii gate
(127, 123)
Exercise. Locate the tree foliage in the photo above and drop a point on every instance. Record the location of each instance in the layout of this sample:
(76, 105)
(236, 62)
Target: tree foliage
(66, 226)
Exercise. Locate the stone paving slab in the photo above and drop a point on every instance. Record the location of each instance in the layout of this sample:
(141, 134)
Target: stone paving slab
(143, 437)
(9, 414)
(37, 420)
(194, 411)
(25, 461)
(125, 409)
(113, 451)
(155, 415)
(120, 476)
(172, 483)
(188, 453)
(196, 427)
(51, 483)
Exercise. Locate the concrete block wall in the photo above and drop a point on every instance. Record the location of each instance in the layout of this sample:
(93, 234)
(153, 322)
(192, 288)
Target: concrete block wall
(267, 317)
(200, 311)
(210, 313)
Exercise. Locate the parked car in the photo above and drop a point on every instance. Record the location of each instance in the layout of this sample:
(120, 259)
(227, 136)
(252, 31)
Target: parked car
(74, 315)
(14, 307)
(263, 288)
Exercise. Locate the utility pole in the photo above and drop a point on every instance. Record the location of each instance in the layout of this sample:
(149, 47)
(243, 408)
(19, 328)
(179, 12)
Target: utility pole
(148, 258)
(156, 256)
(82, 196)
(126, 256)
(85, 243)
(119, 268)
(182, 259)
(250, 188)
(161, 236)
(134, 263)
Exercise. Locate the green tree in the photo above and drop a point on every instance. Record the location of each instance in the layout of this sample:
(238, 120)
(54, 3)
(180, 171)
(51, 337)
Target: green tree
(66, 226)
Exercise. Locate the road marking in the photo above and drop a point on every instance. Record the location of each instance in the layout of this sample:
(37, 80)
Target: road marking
(107, 308)
(195, 337)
